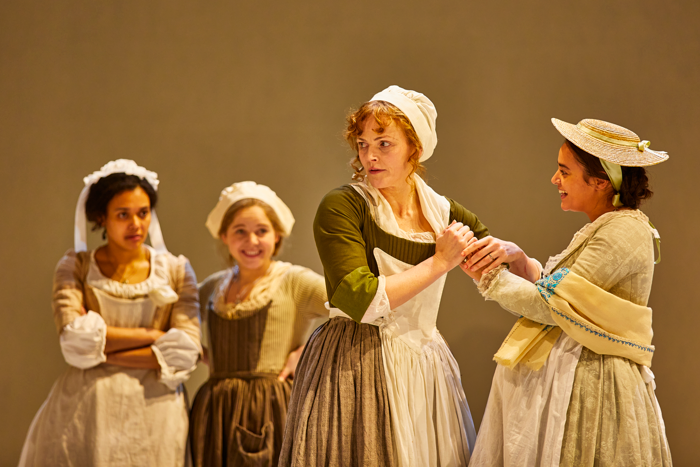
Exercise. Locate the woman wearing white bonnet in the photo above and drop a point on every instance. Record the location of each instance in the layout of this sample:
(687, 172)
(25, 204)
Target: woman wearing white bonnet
(128, 321)
(257, 317)
(378, 385)
(573, 385)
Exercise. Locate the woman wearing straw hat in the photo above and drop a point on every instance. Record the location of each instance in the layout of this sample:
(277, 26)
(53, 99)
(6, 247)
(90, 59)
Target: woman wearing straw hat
(258, 315)
(377, 385)
(573, 385)
(128, 320)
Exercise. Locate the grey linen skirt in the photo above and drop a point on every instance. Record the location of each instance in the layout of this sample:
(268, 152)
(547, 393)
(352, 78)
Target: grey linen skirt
(339, 409)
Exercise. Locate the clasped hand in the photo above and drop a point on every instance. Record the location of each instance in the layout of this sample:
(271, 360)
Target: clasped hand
(487, 254)
(451, 244)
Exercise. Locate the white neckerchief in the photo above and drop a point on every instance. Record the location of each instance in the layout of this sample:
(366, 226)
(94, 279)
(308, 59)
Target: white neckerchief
(435, 207)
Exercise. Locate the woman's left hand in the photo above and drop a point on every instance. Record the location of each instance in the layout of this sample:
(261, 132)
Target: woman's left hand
(489, 253)
(291, 365)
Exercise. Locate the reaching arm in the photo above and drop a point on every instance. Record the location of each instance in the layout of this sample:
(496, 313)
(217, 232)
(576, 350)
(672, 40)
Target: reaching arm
(351, 285)
(617, 250)
(490, 252)
(449, 252)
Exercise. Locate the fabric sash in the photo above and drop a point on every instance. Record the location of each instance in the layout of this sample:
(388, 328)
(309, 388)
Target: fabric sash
(593, 317)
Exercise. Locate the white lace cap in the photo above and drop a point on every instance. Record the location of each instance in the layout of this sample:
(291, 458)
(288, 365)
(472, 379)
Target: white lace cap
(246, 190)
(128, 167)
(420, 111)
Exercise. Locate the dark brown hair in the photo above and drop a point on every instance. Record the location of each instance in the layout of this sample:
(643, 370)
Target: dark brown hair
(236, 207)
(635, 183)
(384, 114)
(106, 188)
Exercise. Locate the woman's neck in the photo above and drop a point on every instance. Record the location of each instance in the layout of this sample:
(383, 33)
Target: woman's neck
(405, 204)
(603, 207)
(120, 256)
(402, 199)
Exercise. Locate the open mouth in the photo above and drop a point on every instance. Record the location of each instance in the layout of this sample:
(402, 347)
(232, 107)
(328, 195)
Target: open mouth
(251, 253)
(563, 194)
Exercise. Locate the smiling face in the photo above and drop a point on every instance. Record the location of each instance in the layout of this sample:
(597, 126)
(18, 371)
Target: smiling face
(251, 238)
(577, 194)
(127, 219)
(384, 153)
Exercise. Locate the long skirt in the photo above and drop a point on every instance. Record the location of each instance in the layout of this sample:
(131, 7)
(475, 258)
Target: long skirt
(239, 421)
(339, 410)
(108, 416)
(580, 409)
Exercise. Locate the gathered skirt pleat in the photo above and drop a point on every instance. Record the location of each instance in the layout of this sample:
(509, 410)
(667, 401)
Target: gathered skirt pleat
(339, 409)
(613, 417)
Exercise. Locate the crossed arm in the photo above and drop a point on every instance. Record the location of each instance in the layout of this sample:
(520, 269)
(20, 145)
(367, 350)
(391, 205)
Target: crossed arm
(131, 347)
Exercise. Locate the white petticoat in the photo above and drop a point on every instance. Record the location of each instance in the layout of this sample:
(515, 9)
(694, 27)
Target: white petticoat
(526, 413)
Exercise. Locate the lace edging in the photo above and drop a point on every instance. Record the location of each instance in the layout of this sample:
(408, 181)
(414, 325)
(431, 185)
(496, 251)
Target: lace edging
(489, 280)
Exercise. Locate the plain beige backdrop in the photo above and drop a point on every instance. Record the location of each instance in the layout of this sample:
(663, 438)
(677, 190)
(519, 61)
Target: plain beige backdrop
(209, 93)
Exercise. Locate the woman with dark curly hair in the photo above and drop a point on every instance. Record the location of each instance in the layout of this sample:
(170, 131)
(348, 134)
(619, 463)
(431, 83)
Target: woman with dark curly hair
(128, 320)
(573, 385)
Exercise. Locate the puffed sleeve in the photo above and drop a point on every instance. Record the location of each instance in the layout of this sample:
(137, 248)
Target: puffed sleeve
(82, 336)
(309, 294)
(612, 254)
(350, 283)
(83, 341)
(178, 350)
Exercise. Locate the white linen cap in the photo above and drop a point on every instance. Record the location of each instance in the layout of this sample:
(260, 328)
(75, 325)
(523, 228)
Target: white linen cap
(128, 167)
(247, 190)
(419, 110)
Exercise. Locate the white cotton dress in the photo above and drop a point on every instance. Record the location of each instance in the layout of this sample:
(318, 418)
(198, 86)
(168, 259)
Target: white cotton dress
(105, 415)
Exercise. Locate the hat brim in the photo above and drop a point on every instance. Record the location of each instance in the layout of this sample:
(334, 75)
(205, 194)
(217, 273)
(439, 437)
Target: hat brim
(617, 154)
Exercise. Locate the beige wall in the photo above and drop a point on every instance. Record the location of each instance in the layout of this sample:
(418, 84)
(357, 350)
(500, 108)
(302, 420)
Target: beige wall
(208, 93)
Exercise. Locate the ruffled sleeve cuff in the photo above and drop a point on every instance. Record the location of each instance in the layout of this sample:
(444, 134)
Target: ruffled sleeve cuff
(83, 341)
(177, 355)
(489, 280)
(379, 307)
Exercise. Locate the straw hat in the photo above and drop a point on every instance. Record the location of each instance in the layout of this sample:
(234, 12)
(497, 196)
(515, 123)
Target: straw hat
(610, 142)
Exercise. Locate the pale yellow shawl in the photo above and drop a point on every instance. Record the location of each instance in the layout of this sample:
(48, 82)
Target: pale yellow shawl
(595, 318)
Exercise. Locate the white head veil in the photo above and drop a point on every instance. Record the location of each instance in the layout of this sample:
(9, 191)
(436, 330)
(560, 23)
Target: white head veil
(128, 167)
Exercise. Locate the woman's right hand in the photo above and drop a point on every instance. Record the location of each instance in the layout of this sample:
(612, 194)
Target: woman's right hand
(451, 243)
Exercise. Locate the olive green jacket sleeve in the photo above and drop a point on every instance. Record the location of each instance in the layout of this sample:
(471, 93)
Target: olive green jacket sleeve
(338, 228)
(350, 284)
(461, 214)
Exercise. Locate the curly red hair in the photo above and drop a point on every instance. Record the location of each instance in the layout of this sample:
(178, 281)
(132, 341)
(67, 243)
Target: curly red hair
(384, 114)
